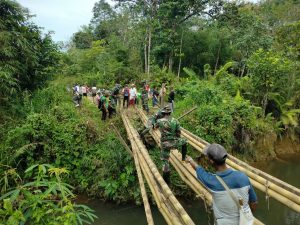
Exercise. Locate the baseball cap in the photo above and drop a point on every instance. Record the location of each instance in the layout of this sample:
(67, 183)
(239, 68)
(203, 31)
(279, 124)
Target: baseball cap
(215, 152)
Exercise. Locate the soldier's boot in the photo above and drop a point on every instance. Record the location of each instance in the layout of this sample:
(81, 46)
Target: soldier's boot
(166, 177)
(183, 151)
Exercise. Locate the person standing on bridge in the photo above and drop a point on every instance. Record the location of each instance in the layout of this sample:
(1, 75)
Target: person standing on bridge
(170, 138)
(132, 95)
(145, 97)
(232, 192)
(155, 95)
(171, 98)
(126, 92)
(116, 93)
(105, 105)
(162, 93)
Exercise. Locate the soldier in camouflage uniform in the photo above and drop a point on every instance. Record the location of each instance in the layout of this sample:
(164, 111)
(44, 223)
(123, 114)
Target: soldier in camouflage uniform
(152, 121)
(170, 138)
(115, 94)
(145, 98)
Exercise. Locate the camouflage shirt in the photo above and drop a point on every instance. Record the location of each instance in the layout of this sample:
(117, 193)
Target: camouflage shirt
(169, 129)
(154, 118)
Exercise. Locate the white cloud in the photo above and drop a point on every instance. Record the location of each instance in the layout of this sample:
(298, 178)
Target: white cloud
(64, 17)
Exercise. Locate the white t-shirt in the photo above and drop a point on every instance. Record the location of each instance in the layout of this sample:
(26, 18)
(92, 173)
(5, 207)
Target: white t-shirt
(132, 93)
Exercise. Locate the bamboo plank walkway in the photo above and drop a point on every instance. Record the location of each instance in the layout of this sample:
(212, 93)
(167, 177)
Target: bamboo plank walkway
(272, 186)
(168, 205)
(190, 174)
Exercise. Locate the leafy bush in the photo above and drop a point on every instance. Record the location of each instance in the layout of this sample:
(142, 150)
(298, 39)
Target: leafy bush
(44, 199)
(56, 132)
(229, 120)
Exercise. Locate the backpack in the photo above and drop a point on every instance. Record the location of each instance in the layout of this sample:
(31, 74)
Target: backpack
(115, 91)
(101, 102)
(126, 92)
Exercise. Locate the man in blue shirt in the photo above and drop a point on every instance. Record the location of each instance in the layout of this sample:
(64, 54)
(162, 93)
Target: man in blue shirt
(225, 208)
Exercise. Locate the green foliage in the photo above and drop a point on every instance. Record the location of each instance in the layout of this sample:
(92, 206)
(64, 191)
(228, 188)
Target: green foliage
(44, 199)
(27, 56)
(54, 131)
(221, 117)
(207, 71)
(271, 75)
(83, 39)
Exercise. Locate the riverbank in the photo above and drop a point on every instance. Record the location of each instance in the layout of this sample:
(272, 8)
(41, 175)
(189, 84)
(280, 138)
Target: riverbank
(284, 168)
(287, 145)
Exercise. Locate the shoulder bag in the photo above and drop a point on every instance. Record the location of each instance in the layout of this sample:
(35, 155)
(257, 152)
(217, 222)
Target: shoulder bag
(246, 217)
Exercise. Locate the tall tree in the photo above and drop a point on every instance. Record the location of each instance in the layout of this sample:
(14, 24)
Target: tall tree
(26, 55)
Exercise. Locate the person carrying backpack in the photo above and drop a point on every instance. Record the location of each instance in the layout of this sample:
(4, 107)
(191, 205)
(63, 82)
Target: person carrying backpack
(105, 105)
(170, 138)
(115, 93)
(234, 198)
(126, 96)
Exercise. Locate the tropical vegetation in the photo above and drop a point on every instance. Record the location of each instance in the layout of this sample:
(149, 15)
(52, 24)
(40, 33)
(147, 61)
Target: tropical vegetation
(238, 62)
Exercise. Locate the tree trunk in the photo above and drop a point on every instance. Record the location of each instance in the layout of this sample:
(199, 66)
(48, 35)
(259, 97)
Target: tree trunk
(171, 61)
(243, 70)
(264, 104)
(145, 54)
(149, 51)
(217, 61)
(179, 65)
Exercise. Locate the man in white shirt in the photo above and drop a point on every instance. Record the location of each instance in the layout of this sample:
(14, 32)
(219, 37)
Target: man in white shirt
(132, 95)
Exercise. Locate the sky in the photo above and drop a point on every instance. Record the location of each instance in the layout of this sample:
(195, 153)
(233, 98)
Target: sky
(64, 17)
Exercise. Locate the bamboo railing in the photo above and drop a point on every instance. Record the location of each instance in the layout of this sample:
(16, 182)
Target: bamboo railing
(133, 154)
(189, 173)
(284, 193)
(279, 190)
(171, 209)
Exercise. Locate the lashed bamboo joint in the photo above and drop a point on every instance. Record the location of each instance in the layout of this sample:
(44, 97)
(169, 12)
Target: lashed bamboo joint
(279, 190)
(196, 186)
(168, 205)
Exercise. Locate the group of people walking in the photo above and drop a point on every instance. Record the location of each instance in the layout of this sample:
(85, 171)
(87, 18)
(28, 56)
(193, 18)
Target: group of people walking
(80, 91)
(234, 198)
(107, 100)
(132, 96)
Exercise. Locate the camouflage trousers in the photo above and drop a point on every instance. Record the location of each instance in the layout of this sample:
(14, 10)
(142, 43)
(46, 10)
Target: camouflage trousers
(145, 103)
(166, 147)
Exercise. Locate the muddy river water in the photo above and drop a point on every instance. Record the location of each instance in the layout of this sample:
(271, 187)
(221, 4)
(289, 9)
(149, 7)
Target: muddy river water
(271, 213)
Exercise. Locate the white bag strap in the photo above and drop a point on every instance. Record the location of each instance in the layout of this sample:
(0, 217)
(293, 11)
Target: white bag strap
(232, 195)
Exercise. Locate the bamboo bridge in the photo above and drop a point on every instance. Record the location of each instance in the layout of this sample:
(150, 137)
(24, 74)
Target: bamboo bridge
(167, 204)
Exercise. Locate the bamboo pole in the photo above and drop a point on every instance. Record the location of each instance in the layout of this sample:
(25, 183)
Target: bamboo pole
(184, 216)
(287, 197)
(143, 189)
(161, 207)
(123, 142)
(154, 189)
(185, 219)
(256, 171)
(187, 167)
(140, 178)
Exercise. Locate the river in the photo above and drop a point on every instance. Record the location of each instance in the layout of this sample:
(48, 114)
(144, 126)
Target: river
(285, 168)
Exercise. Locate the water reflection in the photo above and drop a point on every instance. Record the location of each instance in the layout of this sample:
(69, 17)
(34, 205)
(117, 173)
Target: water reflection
(286, 169)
